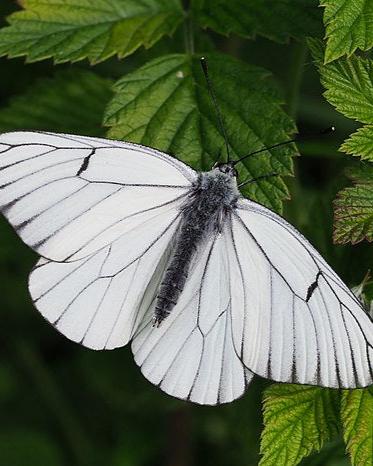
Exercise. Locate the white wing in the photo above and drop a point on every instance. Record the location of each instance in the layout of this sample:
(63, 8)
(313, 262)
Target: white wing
(300, 323)
(192, 354)
(97, 301)
(69, 196)
(102, 214)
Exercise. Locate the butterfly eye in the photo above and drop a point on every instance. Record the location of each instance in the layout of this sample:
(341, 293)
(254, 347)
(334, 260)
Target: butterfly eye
(227, 168)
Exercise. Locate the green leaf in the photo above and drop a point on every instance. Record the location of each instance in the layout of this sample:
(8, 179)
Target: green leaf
(360, 143)
(348, 83)
(73, 101)
(349, 26)
(353, 209)
(349, 88)
(276, 19)
(297, 421)
(357, 419)
(165, 104)
(71, 30)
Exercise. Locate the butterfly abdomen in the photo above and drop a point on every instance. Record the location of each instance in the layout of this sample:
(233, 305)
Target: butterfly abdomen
(202, 215)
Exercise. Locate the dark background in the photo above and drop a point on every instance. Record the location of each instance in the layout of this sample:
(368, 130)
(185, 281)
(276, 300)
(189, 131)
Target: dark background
(62, 404)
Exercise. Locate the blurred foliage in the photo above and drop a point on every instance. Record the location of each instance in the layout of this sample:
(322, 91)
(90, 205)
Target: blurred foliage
(278, 21)
(80, 96)
(62, 404)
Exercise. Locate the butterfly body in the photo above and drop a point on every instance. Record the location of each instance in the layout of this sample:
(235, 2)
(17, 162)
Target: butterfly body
(212, 196)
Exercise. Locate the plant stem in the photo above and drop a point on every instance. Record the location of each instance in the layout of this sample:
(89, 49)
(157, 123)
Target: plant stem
(188, 29)
(295, 77)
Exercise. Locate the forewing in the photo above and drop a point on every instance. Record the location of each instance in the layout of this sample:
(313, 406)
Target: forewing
(98, 300)
(68, 196)
(300, 322)
(191, 355)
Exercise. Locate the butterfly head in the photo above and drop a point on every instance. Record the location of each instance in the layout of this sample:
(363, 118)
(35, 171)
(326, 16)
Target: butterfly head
(226, 168)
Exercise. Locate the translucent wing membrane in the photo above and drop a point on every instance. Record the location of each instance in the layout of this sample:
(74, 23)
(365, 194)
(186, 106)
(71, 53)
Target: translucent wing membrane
(68, 196)
(192, 354)
(300, 323)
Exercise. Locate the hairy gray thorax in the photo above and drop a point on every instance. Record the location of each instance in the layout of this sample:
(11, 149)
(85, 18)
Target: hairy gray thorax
(211, 198)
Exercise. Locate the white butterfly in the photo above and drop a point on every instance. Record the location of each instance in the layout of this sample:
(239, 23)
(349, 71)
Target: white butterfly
(210, 287)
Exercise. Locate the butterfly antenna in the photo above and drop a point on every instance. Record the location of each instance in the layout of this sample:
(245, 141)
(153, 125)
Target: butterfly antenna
(210, 88)
(325, 131)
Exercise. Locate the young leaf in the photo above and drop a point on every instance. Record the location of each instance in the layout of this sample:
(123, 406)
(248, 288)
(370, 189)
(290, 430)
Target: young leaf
(297, 421)
(360, 143)
(165, 104)
(73, 101)
(72, 30)
(348, 83)
(349, 87)
(357, 419)
(349, 26)
(276, 20)
(353, 209)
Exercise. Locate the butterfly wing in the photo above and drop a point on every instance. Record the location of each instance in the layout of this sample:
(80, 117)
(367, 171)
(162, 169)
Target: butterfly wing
(192, 354)
(103, 215)
(300, 323)
(68, 196)
(97, 300)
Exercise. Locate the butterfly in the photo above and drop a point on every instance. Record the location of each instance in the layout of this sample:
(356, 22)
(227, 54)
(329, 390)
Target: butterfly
(210, 287)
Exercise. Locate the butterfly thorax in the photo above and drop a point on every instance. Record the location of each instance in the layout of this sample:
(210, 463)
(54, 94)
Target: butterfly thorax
(213, 195)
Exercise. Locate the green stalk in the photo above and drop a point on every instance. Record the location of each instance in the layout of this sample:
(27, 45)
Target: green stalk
(188, 29)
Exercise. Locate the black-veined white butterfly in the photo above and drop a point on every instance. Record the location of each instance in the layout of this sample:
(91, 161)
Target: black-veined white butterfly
(210, 287)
